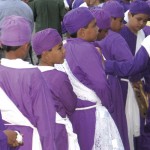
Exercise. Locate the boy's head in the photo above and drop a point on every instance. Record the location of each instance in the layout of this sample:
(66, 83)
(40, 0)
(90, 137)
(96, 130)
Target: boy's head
(103, 20)
(48, 45)
(138, 15)
(116, 12)
(15, 34)
(81, 22)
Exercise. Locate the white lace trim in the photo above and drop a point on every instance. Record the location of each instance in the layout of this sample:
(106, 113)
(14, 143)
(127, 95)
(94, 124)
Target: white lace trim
(45, 68)
(106, 133)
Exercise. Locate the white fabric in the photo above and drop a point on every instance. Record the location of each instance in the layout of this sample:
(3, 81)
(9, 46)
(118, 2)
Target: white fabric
(12, 114)
(45, 68)
(106, 133)
(84, 5)
(72, 137)
(132, 115)
(140, 38)
(16, 63)
(126, 18)
(146, 44)
(66, 4)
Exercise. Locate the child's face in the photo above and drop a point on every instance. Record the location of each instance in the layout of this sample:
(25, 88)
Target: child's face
(91, 32)
(137, 22)
(116, 24)
(57, 54)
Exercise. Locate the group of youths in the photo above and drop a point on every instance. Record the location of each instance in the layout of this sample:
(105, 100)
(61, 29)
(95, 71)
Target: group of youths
(80, 96)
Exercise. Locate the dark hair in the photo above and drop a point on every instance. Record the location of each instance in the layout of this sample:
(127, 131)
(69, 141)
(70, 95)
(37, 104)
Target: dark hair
(132, 14)
(9, 48)
(74, 35)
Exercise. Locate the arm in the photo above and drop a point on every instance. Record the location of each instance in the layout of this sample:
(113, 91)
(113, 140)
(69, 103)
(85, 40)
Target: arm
(131, 67)
(67, 96)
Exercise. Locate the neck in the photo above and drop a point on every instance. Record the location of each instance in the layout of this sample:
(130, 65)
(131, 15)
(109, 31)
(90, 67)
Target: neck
(45, 64)
(11, 55)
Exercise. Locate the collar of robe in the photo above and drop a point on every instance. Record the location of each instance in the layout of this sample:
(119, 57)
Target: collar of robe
(16, 63)
(45, 68)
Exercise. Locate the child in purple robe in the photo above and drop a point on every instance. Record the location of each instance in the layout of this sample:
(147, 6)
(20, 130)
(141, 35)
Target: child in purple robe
(111, 49)
(30, 107)
(84, 68)
(49, 49)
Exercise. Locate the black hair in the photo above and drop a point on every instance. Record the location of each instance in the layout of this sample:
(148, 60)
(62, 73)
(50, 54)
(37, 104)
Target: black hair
(9, 48)
(74, 35)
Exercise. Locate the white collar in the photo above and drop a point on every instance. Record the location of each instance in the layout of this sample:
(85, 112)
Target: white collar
(45, 68)
(16, 63)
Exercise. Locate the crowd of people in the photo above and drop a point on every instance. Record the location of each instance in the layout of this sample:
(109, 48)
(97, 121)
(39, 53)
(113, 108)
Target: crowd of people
(89, 89)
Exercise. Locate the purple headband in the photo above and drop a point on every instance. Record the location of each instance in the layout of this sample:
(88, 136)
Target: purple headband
(45, 40)
(139, 7)
(103, 18)
(15, 31)
(114, 8)
(76, 19)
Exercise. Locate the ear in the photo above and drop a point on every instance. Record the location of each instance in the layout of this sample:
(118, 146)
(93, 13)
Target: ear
(129, 15)
(81, 33)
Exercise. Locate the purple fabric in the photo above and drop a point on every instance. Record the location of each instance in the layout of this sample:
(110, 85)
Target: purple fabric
(128, 68)
(139, 7)
(76, 19)
(3, 138)
(79, 53)
(15, 31)
(65, 102)
(45, 40)
(114, 47)
(103, 18)
(114, 8)
(130, 38)
(28, 91)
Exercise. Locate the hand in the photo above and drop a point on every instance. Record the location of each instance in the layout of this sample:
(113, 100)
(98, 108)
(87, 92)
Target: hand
(11, 138)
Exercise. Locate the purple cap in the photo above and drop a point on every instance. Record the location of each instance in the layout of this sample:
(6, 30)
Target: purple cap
(114, 8)
(103, 18)
(15, 31)
(139, 7)
(45, 40)
(77, 18)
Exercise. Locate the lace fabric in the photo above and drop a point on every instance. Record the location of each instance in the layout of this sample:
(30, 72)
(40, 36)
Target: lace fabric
(106, 136)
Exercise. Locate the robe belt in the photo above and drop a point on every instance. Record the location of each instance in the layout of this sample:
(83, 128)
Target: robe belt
(86, 108)
(12, 115)
(72, 137)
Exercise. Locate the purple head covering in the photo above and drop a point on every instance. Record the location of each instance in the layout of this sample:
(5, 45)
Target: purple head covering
(15, 31)
(45, 40)
(103, 18)
(139, 7)
(114, 8)
(77, 18)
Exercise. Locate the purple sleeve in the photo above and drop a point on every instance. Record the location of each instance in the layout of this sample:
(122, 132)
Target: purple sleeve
(128, 68)
(93, 72)
(43, 111)
(120, 49)
(68, 97)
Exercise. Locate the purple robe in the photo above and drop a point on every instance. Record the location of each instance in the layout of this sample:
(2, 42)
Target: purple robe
(3, 138)
(131, 39)
(65, 102)
(27, 90)
(114, 47)
(84, 62)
